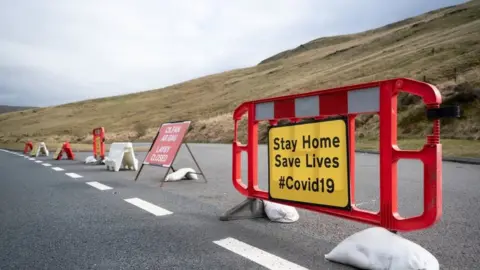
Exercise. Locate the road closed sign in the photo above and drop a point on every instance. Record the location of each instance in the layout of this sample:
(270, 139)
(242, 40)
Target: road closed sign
(167, 143)
(309, 162)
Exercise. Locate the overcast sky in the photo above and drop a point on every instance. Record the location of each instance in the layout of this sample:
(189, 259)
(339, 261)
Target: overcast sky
(54, 52)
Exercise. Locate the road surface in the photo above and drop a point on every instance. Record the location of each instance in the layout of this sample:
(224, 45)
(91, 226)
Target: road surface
(74, 216)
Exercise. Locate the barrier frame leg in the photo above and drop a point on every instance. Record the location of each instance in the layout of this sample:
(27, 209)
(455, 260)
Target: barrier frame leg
(255, 206)
(99, 162)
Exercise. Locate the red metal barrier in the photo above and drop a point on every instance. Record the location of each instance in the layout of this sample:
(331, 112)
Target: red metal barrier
(28, 147)
(65, 148)
(345, 103)
(99, 143)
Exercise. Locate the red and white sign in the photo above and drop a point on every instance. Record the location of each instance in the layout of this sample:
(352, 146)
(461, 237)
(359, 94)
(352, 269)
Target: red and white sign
(167, 143)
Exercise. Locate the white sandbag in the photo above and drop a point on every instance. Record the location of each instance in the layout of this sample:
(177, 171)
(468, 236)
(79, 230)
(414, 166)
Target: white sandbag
(280, 212)
(192, 175)
(182, 173)
(378, 249)
(90, 159)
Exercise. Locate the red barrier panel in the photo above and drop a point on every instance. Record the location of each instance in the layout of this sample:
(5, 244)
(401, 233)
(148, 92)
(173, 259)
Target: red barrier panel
(99, 143)
(312, 164)
(28, 147)
(65, 148)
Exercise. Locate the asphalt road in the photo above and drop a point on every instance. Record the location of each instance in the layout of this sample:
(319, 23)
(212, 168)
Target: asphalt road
(50, 220)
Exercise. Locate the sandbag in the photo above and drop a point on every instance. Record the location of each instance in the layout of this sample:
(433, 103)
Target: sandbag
(280, 212)
(182, 173)
(379, 249)
(90, 159)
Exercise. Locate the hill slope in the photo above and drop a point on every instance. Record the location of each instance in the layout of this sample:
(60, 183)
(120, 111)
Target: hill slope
(441, 46)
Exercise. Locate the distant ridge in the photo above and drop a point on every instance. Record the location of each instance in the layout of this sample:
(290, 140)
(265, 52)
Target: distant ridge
(7, 108)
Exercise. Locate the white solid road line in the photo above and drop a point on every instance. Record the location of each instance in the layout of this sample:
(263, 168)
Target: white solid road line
(58, 169)
(98, 185)
(74, 175)
(47, 164)
(156, 210)
(259, 256)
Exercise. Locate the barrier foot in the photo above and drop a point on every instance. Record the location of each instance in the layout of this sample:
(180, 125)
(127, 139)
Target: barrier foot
(98, 162)
(255, 206)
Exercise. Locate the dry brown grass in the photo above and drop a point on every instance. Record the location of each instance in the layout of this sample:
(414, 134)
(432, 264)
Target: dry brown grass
(450, 148)
(443, 46)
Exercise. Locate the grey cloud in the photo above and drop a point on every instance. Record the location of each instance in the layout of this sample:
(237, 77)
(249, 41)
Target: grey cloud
(55, 52)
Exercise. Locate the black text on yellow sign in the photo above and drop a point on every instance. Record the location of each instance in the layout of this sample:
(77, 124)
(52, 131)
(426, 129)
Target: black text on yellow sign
(309, 162)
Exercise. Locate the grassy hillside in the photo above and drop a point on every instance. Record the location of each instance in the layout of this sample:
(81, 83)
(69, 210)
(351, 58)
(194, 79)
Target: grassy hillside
(6, 108)
(441, 47)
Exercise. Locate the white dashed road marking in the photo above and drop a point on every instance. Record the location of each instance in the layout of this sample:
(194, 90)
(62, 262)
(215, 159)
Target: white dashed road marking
(156, 210)
(47, 164)
(58, 169)
(38, 161)
(98, 185)
(74, 175)
(259, 256)
(31, 159)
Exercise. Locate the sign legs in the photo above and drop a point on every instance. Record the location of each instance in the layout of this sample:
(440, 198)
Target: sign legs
(173, 169)
(255, 206)
(196, 163)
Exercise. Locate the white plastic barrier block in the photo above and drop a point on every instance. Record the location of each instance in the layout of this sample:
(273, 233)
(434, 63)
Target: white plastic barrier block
(41, 150)
(121, 156)
(377, 248)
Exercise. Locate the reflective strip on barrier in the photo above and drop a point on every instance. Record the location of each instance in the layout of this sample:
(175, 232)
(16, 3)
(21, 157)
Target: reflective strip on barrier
(348, 102)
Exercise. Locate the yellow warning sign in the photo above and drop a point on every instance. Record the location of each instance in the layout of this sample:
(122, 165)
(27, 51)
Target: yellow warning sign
(98, 142)
(309, 163)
